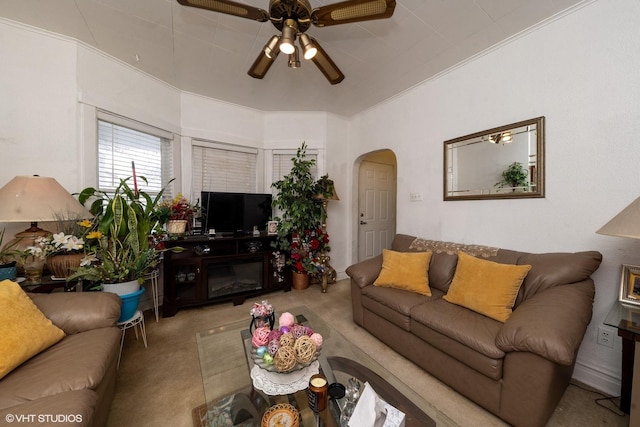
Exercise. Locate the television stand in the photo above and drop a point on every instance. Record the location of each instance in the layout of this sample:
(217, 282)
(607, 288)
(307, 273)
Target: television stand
(220, 269)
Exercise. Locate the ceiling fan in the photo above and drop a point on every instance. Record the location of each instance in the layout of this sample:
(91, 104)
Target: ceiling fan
(293, 18)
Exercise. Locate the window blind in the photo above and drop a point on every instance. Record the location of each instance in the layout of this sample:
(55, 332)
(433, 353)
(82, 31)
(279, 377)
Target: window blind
(118, 146)
(282, 164)
(216, 167)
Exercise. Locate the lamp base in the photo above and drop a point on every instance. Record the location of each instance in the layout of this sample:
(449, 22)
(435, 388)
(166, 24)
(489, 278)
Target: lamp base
(26, 238)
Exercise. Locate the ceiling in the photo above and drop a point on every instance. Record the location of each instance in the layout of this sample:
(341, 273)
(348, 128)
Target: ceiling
(209, 53)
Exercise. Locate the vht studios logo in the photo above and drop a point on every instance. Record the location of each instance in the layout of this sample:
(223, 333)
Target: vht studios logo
(43, 418)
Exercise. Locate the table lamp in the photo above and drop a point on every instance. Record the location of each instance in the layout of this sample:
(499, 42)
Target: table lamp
(624, 224)
(34, 198)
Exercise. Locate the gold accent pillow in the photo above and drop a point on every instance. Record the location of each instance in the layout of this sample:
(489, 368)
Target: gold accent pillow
(486, 287)
(405, 270)
(24, 330)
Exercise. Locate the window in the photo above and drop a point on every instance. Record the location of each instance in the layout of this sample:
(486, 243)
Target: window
(282, 163)
(220, 167)
(120, 147)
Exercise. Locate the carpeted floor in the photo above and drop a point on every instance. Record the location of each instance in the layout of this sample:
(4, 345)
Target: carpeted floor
(161, 385)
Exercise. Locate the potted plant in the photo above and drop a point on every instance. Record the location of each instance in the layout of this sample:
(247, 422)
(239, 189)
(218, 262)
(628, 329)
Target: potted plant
(300, 235)
(514, 176)
(177, 214)
(8, 253)
(118, 249)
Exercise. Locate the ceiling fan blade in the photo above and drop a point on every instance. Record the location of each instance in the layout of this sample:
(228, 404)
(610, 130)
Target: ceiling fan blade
(352, 11)
(230, 8)
(262, 64)
(326, 65)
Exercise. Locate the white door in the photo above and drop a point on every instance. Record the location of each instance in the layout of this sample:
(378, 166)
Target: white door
(377, 208)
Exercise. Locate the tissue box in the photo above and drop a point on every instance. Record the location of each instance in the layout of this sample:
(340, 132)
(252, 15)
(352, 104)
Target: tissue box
(372, 411)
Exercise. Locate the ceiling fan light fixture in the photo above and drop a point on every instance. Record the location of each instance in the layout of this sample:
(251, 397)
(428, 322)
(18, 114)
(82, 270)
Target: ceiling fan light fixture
(308, 47)
(288, 40)
(294, 59)
(271, 48)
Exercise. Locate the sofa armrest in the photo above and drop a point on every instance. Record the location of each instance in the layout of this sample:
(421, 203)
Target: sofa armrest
(75, 312)
(365, 272)
(551, 323)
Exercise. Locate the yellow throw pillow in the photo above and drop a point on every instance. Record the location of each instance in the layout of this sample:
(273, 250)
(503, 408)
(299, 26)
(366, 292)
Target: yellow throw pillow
(24, 330)
(486, 287)
(405, 270)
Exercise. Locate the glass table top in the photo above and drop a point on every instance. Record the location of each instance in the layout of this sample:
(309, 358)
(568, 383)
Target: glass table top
(226, 362)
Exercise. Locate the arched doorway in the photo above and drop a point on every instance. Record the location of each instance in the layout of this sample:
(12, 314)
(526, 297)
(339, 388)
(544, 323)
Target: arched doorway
(376, 198)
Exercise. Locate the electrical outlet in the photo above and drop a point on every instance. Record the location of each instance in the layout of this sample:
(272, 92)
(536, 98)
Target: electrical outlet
(415, 197)
(605, 337)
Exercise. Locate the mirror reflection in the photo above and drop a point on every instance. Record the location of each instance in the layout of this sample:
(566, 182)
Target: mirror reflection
(504, 162)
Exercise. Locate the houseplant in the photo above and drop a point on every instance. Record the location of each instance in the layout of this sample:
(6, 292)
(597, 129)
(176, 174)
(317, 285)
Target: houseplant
(515, 175)
(300, 235)
(177, 214)
(117, 248)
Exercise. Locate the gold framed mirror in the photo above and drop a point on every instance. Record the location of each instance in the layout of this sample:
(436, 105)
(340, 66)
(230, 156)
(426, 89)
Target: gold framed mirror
(506, 162)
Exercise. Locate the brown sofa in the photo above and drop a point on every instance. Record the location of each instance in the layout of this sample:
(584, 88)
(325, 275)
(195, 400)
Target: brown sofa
(518, 370)
(72, 382)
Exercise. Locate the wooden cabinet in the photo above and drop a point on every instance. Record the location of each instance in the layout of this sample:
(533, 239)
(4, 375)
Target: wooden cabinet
(210, 270)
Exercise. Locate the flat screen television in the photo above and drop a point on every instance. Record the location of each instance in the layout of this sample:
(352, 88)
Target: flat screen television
(235, 213)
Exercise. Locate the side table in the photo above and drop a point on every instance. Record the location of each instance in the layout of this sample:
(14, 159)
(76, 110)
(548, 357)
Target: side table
(627, 320)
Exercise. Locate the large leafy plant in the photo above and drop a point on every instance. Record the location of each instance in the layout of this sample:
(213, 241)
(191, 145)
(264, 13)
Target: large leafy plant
(301, 214)
(119, 248)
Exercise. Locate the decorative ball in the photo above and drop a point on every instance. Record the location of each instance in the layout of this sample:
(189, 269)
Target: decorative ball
(268, 359)
(260, 336)
(305, 349)
(260, 351)
(308, 331)
(287, 340)
(274, 346)
(317, 340)
(285, 359)
(286, 319)
(274, 335)
(297, 331)
(284, 329)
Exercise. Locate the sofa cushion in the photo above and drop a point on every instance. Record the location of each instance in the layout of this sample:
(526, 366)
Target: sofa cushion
(24, 330)
(552, 269)
(405, 270)
(486, 287)
(394, 304)
(461, 333)
(78, 361)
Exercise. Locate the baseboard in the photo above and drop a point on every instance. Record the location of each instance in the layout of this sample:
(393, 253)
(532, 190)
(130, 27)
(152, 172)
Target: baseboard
(606, 382)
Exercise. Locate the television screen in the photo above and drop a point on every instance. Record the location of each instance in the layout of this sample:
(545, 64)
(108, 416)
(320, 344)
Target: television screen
(235, 213)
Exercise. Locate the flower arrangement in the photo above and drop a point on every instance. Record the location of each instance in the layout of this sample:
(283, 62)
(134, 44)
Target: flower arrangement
(178, 208)
(59, 243)
(306, 249)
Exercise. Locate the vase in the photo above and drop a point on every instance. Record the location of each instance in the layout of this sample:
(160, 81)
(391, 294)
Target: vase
(63, 265)
(33, 266)
(177, 226)
(262, 321)
(300, 280)
(123, 288)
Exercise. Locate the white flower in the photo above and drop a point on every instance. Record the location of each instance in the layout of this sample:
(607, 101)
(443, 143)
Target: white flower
(87, 260)
(72, 243)
(60, 239)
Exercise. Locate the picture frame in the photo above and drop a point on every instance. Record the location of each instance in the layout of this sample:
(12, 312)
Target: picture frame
(630, 285)
(272, 229)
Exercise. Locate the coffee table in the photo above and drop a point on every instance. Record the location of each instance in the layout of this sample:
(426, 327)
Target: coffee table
(226, 363)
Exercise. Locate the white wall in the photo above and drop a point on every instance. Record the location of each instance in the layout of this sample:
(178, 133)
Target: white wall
(585, 81)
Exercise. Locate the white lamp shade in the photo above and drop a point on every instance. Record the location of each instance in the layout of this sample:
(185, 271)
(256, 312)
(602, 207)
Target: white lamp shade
(625, 224)
(35, 198)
